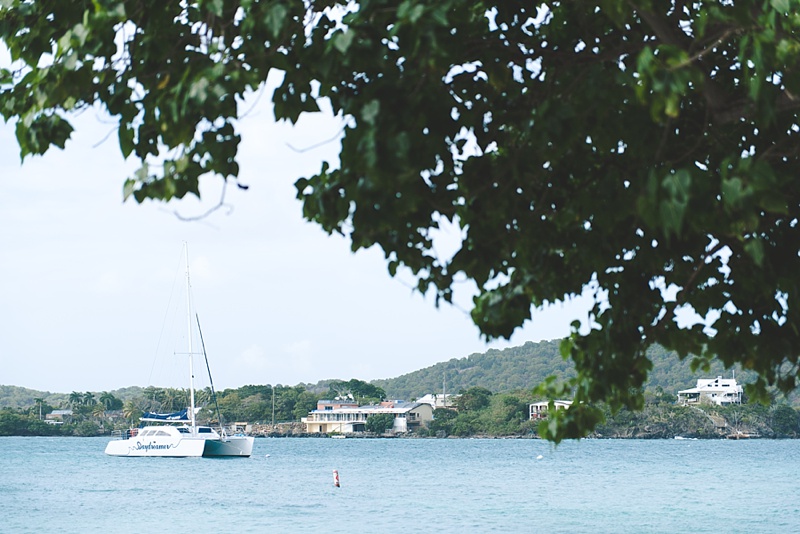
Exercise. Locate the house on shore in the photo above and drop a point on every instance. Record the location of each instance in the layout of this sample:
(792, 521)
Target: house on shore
(336, 404)
(538, 410)
(447, 400)
(58, 417)
(346, 418)
(719, 391)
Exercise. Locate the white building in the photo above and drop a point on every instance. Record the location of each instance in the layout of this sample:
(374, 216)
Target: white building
(538, 410)
(345, 419)
(719, 391)
(439, 401)
(58, 417)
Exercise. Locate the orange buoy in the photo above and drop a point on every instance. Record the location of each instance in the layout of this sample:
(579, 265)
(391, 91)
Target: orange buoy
(336, 478)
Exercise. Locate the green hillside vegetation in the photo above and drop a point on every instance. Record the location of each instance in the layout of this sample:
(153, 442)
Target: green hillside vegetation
(19, 397)
(526, 366)
(516, 368)
(513, 369)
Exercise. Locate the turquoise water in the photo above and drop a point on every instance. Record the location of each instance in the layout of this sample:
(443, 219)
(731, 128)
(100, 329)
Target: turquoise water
(443, 486)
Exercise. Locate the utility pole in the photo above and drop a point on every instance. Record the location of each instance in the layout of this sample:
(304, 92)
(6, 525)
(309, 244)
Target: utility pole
(444, 389)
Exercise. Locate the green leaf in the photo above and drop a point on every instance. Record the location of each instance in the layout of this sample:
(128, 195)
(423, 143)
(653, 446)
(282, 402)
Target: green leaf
(81, 32)
(125, 134)
(64, 41)
(416, 13)
(673, 209)
(733, 191)
(774, 202)
(780, 5)
(142, 174)
(214, 6)
(342, 40)
(755, 249)
(275, 18)
(370, 111)
(128, 188)
(199, 90)
(672, 105)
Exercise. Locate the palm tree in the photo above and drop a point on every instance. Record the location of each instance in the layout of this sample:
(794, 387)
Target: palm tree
(203, 396)
(107, 400)
(167, 399)
(88, 399)
(39, 401)
(130, 410)
(75, 399)
(99, 411)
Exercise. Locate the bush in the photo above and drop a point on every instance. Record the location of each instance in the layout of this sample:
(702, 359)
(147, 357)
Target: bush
(86, 429)
(380, 422)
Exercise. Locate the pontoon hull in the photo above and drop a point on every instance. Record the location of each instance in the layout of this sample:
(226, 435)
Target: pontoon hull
(171, 443)
(231, 446)
(170, 448)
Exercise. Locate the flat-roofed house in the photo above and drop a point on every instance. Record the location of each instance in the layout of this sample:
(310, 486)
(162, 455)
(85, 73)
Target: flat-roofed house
(336, 404)
(439, 401)
(538, 410)
(326, 419)
(58, 417)
(719, 391)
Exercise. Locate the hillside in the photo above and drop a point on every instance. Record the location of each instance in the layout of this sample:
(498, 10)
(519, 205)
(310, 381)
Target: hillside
(524, 367)
(20, 397)
(511, 369)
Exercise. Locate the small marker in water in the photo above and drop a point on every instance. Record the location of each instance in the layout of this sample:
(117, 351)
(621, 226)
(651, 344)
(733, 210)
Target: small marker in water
(539, 457)
(336, 478)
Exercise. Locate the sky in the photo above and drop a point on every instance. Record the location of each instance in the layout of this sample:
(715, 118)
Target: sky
(85, 278)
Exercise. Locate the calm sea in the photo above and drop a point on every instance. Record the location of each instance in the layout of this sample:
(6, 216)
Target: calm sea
(399, 485)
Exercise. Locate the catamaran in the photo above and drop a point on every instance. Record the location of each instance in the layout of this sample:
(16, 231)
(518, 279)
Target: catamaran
(178, 434)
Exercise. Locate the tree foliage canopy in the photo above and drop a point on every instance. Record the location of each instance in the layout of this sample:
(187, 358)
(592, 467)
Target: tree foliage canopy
(358, 390)
(379, 422)
(645, 150)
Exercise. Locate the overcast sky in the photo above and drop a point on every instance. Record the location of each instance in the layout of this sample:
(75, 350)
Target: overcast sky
(85, 279)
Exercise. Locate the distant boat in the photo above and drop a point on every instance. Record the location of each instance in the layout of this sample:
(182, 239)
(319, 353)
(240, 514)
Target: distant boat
(742, 435)
(178, 434)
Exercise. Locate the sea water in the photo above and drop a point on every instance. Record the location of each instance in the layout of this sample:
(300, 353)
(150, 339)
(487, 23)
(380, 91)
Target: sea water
(406, 485)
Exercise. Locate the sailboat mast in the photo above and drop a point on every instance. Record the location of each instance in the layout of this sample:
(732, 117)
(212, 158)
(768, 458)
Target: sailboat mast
(189, 332)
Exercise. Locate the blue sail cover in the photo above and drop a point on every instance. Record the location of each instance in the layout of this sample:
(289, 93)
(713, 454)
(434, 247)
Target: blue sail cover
(183, 415)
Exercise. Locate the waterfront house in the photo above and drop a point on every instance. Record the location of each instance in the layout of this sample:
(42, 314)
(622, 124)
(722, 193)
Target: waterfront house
(719, 391)
(58, 417)
(345, 419)
(336, 404)
(447, 400)
(538, 410)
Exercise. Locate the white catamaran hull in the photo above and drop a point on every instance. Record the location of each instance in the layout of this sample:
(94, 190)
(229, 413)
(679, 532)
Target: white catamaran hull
(181, 446)
(231, 446)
